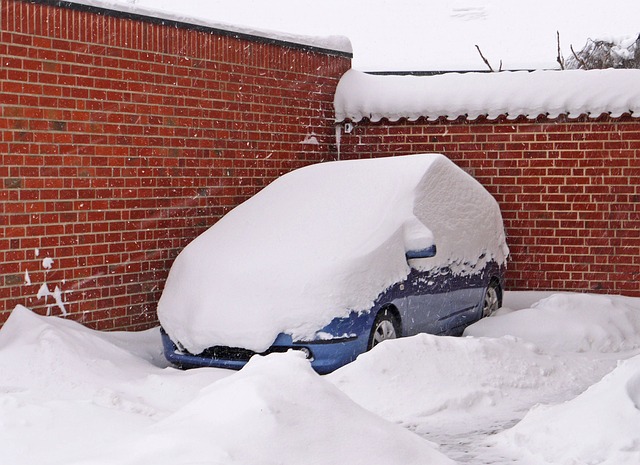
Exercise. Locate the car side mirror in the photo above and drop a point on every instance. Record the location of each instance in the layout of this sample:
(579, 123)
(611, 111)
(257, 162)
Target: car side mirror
(422, 253)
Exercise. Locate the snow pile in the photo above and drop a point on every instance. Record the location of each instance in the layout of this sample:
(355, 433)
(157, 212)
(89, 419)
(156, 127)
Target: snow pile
(51, 347)
(601, 426)
(462, 376)
(455, 372)
(571, 322)
(320, 242)
(277, 410)
(512, 94)
(458, 392)
(68, 392)
(70, 395)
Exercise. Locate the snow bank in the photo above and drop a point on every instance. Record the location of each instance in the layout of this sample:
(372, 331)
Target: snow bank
(276, 410)
(83, 396)
(601, 426)
(571, 322)
(336, 43)
(458, 392)
(35, 348)
(320, 242)
(70, 395)
(68, 392)
(411, 379)
(552, 93)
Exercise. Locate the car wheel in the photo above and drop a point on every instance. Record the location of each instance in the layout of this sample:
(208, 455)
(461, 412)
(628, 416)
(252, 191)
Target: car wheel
(385, 327)
(491, 301)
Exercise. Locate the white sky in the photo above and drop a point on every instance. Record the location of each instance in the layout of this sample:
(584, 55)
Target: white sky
(422, 35)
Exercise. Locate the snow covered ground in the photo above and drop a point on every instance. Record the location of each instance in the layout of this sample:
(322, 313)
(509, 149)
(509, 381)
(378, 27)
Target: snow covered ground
(558, 383)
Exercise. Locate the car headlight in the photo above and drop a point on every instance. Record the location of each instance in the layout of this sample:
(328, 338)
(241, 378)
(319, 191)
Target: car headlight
(307, 353)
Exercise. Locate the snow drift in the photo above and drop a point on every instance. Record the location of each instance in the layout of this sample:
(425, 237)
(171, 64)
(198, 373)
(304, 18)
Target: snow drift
(463, 376)
(70, 395)
(68, 392)
(276, 410)
(601, 426)
(323, 241)
(571, 322)
(86, 397)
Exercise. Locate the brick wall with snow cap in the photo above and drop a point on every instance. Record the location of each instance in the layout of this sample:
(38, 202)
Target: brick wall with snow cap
(558, 150)
(123, 136)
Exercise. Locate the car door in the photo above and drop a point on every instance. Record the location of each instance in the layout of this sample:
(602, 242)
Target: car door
(425, 305)
(464, 295)
(439, 301)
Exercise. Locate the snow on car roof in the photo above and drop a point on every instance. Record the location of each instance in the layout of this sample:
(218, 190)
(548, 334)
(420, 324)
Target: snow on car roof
(472, 95)
(320, 242)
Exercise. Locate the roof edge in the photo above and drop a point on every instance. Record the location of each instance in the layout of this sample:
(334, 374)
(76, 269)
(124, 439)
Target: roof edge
(503, 117)
(330, 45)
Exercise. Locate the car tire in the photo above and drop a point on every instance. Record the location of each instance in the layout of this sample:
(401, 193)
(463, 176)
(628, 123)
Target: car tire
(492, 300)
(385, 326)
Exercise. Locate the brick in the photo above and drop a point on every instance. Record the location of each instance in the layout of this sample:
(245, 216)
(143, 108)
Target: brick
(126, 146)
(106, 107)
(583, 190)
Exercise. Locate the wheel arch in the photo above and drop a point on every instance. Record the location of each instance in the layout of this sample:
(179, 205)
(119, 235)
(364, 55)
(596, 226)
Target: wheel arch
(386, 312)
(497, 282)
(393, 311)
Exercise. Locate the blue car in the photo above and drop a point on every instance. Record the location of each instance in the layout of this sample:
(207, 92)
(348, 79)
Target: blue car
(433, 261)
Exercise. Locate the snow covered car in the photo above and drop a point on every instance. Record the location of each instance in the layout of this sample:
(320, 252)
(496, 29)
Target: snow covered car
(333, 258)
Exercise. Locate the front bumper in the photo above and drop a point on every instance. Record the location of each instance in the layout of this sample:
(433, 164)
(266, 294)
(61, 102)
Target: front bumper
(325, 355)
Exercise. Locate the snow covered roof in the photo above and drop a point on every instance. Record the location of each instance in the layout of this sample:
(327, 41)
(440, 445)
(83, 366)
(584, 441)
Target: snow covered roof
(328, 43)
(472, 95)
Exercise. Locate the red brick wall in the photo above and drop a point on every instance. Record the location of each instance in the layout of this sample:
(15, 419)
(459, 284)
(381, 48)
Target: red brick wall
(569, 191)
(122, 139)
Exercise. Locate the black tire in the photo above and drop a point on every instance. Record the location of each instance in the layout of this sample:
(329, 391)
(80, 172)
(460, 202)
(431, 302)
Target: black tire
(492, 300)
(385, 326)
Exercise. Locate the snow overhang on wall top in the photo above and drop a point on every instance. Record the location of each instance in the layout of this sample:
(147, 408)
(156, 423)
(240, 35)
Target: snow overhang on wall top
(490, 95)
(332, 45)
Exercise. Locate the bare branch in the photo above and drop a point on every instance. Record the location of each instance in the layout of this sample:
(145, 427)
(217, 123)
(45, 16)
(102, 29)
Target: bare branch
(486, 62)
(578, 59)
(560, 58)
